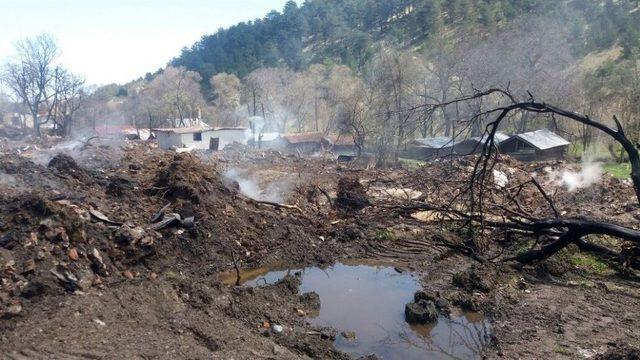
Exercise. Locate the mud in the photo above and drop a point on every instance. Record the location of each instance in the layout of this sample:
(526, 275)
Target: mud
(86, 271)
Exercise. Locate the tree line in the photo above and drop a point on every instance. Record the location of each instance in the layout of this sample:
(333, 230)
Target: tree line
(347, 31)
(380, 102)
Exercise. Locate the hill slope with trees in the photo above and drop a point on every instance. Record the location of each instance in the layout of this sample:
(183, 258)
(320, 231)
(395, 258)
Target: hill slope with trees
(347, 31)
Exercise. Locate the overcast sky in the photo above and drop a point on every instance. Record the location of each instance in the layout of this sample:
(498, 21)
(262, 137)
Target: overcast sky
(120, 40)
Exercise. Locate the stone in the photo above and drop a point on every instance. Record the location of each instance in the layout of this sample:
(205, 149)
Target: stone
(349, 335)
(73, 254)
(6, 259)
(277, 328)
(421, 312)
(29, 267)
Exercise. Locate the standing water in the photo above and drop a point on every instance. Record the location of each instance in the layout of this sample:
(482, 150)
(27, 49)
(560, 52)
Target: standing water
(370, 300)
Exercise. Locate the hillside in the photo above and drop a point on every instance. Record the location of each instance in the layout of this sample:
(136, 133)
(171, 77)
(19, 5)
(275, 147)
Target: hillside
(348, 31)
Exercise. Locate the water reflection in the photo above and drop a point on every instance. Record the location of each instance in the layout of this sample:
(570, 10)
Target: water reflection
(369, 300)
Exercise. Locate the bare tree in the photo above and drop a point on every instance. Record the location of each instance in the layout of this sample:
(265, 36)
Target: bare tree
(31, 76)
(226, 89)
(69, 97)
(173, 95)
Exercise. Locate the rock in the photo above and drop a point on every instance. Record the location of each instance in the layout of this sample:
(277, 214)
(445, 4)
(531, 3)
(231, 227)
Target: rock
(311, 300)
(6, 259)
(98, 263)
(277, 328)
(29, 267)
(349, 335)
(99, 322)
(13, 310)
(328, 334)
(128, 274)
(300, 312)
(73, 254)
(85, 279)
(66, 278)
(423, 311)
(126, 235)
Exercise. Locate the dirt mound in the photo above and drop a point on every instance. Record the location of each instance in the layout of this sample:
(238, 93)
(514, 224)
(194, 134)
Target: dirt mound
(352, 195)
(64, 163)
(187, 178)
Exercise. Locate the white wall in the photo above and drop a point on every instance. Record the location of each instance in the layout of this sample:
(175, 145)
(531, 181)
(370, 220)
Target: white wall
(229, 136)
(166, 139)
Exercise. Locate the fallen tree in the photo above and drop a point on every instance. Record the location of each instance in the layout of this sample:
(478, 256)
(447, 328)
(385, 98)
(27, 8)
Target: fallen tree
(552, 234)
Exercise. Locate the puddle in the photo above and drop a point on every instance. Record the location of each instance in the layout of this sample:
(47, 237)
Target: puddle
(369, 300)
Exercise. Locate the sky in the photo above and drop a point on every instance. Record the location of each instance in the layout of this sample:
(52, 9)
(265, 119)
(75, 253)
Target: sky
(109, 41)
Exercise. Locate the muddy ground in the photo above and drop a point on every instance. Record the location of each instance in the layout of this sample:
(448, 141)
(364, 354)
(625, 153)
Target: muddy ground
(115, 250)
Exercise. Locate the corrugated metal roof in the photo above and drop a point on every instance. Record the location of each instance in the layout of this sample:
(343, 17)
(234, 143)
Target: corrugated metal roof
(497, 138)
(438, 142)
(543, 139)
(298, 138)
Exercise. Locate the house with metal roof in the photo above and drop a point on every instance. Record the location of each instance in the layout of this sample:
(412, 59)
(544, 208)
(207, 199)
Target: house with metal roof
(475, 144)
(536, 145)
(430, 148)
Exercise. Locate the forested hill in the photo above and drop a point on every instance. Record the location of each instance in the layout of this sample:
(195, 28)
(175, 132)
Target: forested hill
(347, 31)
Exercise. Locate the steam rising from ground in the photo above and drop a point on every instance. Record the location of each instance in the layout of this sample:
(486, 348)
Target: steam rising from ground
(588, 175)
(250, 186)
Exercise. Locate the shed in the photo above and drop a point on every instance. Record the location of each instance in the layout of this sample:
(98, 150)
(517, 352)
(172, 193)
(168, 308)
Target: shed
(309, 142)
(536, 146)
(341, 144)
(430, 148)
(475, 144)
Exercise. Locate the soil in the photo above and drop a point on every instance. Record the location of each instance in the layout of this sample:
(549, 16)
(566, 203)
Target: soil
(113, 250)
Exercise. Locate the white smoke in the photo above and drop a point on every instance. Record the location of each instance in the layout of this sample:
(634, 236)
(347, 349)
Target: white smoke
(588, 175)
(250, 187)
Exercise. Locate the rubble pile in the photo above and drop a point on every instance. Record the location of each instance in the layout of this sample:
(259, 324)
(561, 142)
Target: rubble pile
(67, 229)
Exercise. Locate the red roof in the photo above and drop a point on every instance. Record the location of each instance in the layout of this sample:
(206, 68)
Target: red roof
(299, 138)
(340, 140)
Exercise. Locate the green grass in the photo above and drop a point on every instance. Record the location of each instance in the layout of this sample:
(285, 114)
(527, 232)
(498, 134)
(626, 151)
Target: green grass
(620, 171)
(563, 350)
(589, 263)
(385, 235)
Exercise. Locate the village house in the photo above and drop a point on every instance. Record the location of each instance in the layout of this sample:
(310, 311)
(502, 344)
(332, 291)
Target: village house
(536, 146)
(430, 148)
(306, 143)
(475, 144)
(200, 138)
